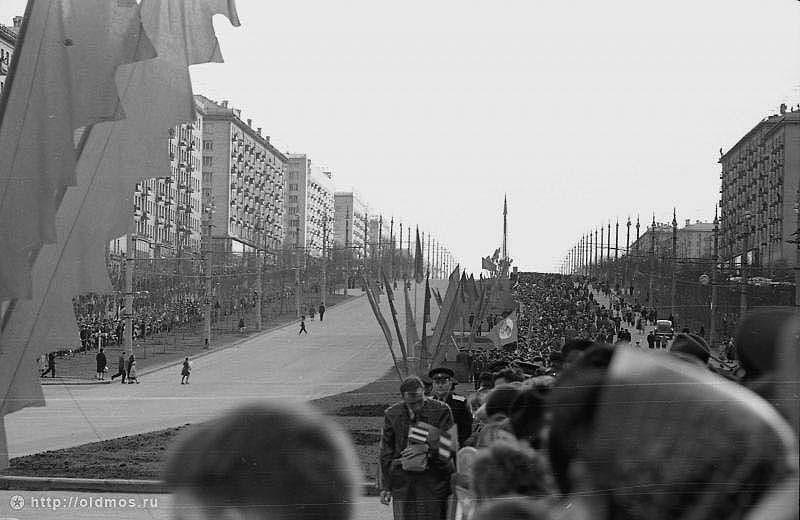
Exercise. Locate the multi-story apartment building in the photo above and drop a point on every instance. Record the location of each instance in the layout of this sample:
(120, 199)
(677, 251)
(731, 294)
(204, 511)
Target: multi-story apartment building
(309, 218)
(167, 210)
(691, 241)
(759, 193)
(8, 39)
(349, 223)
(243, 177)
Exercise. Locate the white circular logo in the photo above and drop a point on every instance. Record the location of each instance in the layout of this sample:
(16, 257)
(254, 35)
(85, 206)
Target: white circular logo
(506, 329)
(17, 502)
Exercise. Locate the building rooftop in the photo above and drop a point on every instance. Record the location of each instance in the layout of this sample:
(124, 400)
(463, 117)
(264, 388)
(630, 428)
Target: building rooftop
(9, 34)
(773, 121)
(700, 226)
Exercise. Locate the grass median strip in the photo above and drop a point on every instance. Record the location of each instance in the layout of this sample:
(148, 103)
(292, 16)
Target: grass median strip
(141, 457)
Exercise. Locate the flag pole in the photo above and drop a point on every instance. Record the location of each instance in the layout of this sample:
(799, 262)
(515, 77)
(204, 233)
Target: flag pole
(390, 297)
(376, 310)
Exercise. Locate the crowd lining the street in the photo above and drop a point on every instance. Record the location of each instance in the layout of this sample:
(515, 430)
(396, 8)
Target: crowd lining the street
(574, 422)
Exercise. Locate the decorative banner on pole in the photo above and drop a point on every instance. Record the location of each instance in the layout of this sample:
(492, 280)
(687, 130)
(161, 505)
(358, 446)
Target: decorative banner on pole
(390, 297)
(382, 322)
(79, 57)
(419, 268)
(505, 331)
(412, 336)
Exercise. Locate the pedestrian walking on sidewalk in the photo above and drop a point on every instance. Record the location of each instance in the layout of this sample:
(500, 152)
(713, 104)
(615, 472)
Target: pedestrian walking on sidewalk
(311, 312)
(185, 371)
(120, 368)
(51, 365)
(651, 339)
(132, 377)
(321, 311)
(302, 325)
(100, 358)
(242, 328)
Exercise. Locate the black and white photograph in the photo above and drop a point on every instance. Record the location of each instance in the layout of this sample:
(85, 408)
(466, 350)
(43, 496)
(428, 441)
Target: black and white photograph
(361, 260)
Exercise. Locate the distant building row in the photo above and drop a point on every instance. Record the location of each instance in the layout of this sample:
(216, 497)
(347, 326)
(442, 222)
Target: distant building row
(226, 181)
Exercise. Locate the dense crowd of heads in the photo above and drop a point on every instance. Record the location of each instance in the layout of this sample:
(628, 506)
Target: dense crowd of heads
(599, 431)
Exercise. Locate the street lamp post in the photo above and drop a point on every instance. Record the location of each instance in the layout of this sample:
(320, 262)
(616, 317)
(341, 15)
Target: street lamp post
(651, 296)
(674, 262)
(627, 281)
(712, 325)
(743, 273)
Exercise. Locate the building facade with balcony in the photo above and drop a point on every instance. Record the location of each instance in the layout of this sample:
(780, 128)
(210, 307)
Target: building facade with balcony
(167, 210)
(309, 218)
(349, 223)
(242, 182)
(8, 39)
(759, 193)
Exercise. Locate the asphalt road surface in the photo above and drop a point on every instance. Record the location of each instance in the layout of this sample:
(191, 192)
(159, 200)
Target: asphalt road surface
(342, 353)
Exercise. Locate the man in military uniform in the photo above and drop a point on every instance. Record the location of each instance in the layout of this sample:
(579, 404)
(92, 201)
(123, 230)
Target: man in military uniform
(443, 379)
(415, 472)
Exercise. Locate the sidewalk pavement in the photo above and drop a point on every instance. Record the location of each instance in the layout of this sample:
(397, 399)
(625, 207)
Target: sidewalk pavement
(145, 364)
(343, 353)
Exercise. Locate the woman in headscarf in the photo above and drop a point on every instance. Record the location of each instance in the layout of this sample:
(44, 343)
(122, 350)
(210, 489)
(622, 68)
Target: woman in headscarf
(650, 437)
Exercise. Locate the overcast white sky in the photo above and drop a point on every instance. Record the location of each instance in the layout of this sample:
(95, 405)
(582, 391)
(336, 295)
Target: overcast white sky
(581, 111)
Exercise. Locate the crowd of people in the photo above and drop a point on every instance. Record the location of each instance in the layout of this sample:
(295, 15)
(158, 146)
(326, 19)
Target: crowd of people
(602, 429)
(576, 421)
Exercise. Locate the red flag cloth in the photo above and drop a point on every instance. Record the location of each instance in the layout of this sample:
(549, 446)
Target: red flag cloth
(412, 336)
(156, 95)
(505, 331)
(64, 80)
(426, 313)
(378, 314)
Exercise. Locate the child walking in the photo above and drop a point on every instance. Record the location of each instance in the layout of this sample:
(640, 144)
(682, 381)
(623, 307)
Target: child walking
(302, 325)
(185, 371)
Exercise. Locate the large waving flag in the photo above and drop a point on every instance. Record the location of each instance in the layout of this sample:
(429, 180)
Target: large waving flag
(63, 80)
(505, 331)
(155, 95)
(450, 311)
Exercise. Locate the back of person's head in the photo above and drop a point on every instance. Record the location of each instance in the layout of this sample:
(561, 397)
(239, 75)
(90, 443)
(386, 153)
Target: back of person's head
(757, 339)
(508, 375)
(269, 461)
(509, 468)
(500, 399)
(527, 415)
(652, 437)
(573, 348)
(411, 384)
(513, 508)
(571, 403)
(486, 379)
